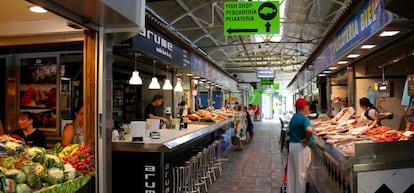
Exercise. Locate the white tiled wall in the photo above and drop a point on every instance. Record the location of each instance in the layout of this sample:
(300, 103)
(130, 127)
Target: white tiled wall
(397, 180)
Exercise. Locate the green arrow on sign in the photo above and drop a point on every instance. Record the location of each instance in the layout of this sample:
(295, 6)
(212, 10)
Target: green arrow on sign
(250, 18)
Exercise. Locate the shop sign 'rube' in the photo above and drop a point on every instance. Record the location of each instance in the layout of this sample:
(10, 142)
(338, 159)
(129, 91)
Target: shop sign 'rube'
(154, 43)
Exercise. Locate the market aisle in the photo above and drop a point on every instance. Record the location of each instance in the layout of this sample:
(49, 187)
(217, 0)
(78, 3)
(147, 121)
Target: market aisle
(256, 169)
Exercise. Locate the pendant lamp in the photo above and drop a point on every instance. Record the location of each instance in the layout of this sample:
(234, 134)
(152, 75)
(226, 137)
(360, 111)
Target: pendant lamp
(154, 81)
(167, 83)
(135, 78)
(178, 86)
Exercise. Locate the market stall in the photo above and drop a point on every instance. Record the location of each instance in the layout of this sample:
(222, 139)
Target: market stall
(34, 169)
(169, 149)
(349, 154)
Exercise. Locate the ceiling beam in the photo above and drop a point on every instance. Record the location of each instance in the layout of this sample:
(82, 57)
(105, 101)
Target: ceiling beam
(194, 18)
(187, 14)
(257, 43)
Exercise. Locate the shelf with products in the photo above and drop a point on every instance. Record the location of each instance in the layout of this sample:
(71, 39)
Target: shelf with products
(125, 101)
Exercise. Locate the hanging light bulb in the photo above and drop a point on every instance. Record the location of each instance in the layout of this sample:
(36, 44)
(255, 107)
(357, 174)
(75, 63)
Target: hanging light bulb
(135, 78)
(154, 84)
(154, 81)
(167, 83)
(178, 86)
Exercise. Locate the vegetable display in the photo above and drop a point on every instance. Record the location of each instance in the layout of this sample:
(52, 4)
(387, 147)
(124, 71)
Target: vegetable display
(26, 170)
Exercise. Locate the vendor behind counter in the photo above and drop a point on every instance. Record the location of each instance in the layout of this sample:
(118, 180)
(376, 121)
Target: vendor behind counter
(154, 109)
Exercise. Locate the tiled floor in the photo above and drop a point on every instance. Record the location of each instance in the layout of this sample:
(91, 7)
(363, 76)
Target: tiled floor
(256, 169)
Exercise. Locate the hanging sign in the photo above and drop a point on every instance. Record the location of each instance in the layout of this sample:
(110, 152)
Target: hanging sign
(276, 86)
(266, 82)
(254, 97)
(265, 73)
(155, 44)
(250, 18)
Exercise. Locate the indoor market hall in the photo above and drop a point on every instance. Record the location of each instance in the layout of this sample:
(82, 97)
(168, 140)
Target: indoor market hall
(206, 96)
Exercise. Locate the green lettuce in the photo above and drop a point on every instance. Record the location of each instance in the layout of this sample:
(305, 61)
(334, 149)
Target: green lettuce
(52, 161)
(23, 188)
(36, 154)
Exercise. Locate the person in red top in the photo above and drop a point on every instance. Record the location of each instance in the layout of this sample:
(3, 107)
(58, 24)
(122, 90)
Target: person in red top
(256, 111)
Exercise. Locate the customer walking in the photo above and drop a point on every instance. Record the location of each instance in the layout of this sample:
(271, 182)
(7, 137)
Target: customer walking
(240, 124)
(250, 126)
(300, 132)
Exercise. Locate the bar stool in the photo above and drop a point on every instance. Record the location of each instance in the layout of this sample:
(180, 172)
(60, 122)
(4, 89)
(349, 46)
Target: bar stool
(201, 182)
(185, 183)
(211, 162)
(179, 181)
(218, 161)
(206, 169)
(195, 180)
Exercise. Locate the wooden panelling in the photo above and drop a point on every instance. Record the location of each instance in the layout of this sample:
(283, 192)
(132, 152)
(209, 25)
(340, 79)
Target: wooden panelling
(89, 86)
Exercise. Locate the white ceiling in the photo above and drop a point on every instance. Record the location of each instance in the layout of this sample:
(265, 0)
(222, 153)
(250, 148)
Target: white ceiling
(16, 22)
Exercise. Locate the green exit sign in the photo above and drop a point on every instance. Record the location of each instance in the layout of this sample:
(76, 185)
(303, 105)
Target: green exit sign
(250, 18)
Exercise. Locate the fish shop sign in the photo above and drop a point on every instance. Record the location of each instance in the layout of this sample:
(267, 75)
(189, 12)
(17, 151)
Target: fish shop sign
(250, 18)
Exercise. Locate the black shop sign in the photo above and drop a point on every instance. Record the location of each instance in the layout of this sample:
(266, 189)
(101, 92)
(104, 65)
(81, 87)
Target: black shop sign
(154, 43)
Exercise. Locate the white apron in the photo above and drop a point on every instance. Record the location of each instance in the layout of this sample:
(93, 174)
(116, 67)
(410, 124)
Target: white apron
(298, 164)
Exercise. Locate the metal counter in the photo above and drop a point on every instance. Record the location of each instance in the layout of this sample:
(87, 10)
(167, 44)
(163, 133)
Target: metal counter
(375, 166)
(144, 167)
(170, 138)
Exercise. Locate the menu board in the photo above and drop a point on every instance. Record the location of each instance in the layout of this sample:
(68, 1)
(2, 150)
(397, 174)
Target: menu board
(38, 93)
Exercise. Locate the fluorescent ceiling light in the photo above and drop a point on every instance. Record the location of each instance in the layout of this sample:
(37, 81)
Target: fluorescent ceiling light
(37, 9)
(353, 55)
(327, 71)
(389, 33)
(368, 46)
(196, 77)
(321, 74)
(333, 68)
(189, 74)
(343, 62)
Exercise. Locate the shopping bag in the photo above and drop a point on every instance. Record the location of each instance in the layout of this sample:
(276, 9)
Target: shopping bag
(235, 140)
